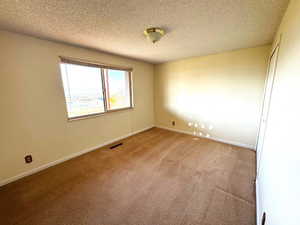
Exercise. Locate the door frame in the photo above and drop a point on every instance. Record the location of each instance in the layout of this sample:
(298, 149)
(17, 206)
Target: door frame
(259, 154)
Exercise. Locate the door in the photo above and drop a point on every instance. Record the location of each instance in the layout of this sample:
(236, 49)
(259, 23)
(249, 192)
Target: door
(266, 104)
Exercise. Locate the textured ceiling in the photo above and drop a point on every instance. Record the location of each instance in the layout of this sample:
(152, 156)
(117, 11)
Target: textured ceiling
(194, 27)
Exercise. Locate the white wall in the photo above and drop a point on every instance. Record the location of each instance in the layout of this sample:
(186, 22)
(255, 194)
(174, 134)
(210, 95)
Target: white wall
(33, 115)
(279, 178)
(221, 92)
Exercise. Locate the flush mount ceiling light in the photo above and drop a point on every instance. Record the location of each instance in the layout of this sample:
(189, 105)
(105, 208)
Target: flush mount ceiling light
(154, 34)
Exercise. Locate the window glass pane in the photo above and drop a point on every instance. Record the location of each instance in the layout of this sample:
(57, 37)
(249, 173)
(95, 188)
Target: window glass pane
(117, 88)
(83, 89)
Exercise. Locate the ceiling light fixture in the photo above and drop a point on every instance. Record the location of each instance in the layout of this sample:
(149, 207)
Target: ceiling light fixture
(154, 34)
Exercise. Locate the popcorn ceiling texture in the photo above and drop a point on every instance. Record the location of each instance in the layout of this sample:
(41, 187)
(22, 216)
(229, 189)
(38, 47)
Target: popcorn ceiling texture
(194, 27)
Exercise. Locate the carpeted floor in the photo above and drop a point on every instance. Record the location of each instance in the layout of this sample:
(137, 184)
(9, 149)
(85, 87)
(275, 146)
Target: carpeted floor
(157, 177)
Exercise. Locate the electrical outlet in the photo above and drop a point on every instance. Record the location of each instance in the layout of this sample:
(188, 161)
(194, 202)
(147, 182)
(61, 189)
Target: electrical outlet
(173, 123)
(28, 159)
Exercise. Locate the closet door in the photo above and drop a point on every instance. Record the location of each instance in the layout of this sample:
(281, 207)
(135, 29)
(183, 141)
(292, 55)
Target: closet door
(266, 104)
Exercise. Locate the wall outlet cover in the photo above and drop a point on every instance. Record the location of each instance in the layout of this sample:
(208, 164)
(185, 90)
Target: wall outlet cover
(28, 158)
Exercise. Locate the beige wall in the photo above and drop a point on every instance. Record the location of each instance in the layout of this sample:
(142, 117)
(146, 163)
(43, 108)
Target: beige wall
(33, 112)
(223, 92)
(278, 180)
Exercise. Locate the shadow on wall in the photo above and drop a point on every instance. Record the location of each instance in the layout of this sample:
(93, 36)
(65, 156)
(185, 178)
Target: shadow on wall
(214, 111)
(214, 96)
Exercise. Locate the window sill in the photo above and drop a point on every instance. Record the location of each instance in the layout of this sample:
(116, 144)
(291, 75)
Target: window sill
(97, 114)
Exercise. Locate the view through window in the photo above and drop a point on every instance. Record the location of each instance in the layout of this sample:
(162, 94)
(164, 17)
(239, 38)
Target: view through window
(91, 89)
(117, 89)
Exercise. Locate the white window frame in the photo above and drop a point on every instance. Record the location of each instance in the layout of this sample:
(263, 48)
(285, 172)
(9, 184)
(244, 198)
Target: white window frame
(102, 67)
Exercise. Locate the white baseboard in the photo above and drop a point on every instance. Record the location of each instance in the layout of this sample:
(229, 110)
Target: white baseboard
(258, 210)
(252, 147)
(73, 155)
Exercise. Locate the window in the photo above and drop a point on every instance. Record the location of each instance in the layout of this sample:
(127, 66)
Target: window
(92, 89)
(117, 89)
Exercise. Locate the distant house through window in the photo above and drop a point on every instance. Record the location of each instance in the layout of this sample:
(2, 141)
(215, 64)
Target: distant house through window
(92, 89)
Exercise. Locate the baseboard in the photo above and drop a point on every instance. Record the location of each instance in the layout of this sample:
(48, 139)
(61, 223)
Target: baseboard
(73, 155)
(252, 147)
(258, 210)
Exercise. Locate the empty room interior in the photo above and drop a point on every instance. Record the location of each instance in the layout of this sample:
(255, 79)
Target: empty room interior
(154, 112)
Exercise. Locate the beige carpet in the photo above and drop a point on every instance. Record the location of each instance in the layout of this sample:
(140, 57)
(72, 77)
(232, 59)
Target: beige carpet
(157, 177)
